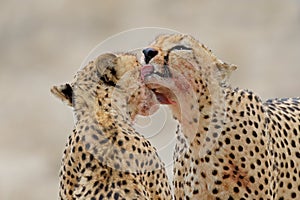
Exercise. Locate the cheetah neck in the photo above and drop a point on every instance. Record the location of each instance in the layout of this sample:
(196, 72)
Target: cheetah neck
(224, 141)
(104, 127)
(112, 104)
(200, 110)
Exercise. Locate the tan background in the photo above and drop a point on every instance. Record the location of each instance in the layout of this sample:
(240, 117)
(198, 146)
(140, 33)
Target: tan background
(44, 43)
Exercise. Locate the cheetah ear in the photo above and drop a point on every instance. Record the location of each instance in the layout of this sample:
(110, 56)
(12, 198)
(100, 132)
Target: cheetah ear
(226, 70)
(107, 60)
(63, 92)
(104, 62)
(105, 65)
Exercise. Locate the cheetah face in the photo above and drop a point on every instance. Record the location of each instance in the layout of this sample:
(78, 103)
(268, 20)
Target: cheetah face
(120, 75)
(116, 76)
(169, 67)
(186, 75)
(180, 59)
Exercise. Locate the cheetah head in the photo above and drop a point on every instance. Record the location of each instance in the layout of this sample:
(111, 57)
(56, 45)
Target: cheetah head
(186, 75)
(112, 77)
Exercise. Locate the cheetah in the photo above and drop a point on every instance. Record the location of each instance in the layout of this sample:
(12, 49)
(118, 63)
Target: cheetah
(105, 158)
(237, 146)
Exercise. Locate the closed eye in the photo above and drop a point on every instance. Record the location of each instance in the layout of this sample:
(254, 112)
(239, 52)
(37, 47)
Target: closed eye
(167, 72)
(180, 47)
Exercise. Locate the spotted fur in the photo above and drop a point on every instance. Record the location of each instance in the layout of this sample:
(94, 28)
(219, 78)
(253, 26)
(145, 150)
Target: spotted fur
(242, 147)
(105, 158)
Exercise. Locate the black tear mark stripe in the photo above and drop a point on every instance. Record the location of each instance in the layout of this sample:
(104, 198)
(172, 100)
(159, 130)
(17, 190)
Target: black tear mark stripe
(166, 72)
(106, 80)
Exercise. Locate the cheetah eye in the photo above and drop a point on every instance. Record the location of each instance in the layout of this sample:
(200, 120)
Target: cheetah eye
(180, 47)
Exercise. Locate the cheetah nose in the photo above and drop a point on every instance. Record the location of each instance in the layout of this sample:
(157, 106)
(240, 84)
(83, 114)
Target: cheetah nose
(149, 53)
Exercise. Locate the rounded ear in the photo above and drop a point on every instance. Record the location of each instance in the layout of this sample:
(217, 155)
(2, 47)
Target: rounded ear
(63, 92)
(105, 61)
(225, 70)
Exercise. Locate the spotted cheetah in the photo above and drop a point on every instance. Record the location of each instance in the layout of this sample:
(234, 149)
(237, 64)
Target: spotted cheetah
(105, 158)
(237, 147)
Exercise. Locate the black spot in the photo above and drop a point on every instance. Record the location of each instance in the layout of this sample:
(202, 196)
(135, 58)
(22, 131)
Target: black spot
(236, 190)
(83, 156)
(95, 137)
(214, 172)
(109, 194)
(242, 113)
(116, 196)
(215, 191)
(120, 143)
(231, 155)
(237, 137)
(195, 191)
(250, 97)
(227, 141)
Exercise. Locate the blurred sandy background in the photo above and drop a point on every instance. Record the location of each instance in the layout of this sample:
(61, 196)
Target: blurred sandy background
(44, 42)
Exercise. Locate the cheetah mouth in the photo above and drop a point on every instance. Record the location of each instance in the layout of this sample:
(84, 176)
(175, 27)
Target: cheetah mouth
(148, 70)
(162, 97)
(152, 78)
